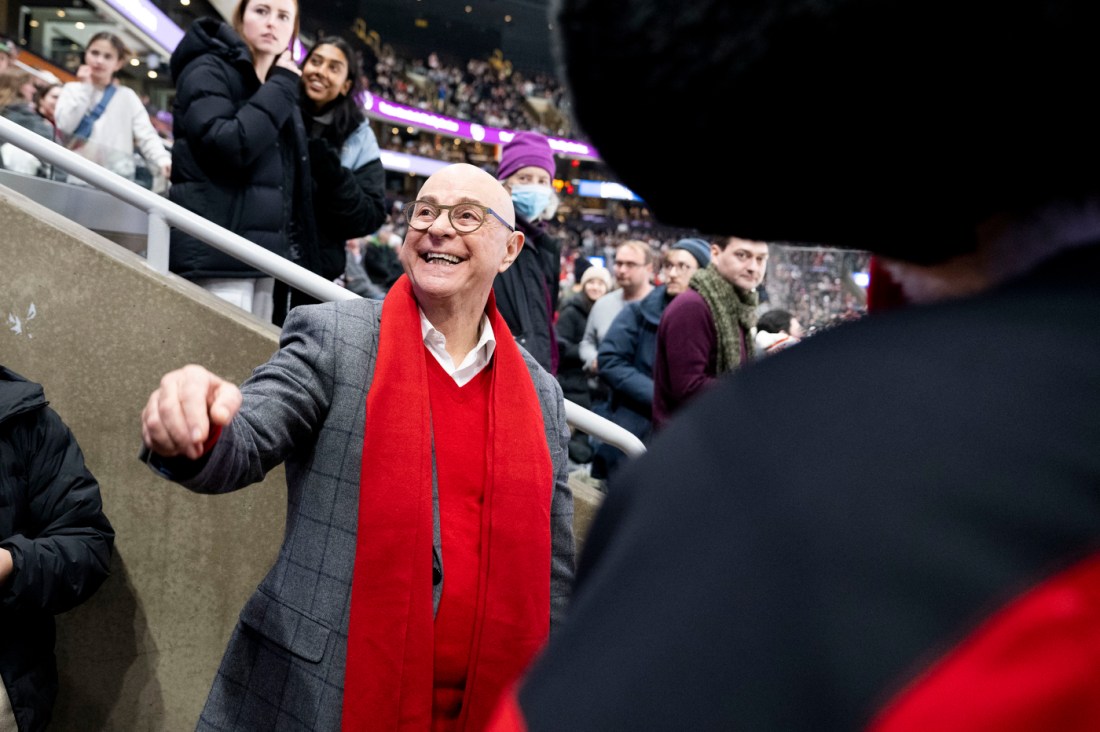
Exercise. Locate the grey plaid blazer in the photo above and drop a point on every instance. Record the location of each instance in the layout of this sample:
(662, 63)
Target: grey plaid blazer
(284, 667)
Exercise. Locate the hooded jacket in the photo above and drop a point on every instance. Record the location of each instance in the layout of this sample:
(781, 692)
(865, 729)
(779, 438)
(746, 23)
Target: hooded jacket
(240, 156)
(52, 522)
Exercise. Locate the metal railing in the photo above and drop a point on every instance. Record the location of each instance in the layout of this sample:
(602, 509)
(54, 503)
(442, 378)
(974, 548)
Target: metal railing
(164, 214)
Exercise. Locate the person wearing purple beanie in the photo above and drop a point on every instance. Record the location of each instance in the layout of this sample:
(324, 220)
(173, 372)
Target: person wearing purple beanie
(527, 292)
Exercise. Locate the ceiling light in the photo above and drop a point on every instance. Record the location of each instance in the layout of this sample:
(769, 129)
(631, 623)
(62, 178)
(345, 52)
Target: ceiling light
(60, 13)
(507, 18)
(185, 3)
(79, 25)
(135, 62)
(469, 8)
(152, 74)
(33, 23)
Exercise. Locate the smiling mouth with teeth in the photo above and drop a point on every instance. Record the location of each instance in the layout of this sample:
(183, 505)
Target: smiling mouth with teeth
(439, 257)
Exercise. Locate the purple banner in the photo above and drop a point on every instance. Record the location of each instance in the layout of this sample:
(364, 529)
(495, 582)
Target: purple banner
(425, 120)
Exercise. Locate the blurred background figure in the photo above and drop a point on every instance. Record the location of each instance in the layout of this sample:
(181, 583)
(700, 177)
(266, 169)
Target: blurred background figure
(527, 292)
(8, 52)
(103, 120)
(632, 269)
(707, 331)
(45, 103)
(775, 330)
(355, 278)
(14, 105)
(628, 350)
(594, 284)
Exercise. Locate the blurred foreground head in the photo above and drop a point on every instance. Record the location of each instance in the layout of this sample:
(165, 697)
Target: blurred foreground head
(894, 126)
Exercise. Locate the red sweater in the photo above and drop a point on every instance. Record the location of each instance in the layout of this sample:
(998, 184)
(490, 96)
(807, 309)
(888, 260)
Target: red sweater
(460, 429)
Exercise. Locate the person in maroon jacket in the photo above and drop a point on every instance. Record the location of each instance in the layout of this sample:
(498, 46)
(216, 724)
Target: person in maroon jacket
(896, 524)
(707, 331)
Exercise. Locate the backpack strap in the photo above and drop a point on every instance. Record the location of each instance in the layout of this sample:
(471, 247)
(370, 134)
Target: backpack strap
(84, 129)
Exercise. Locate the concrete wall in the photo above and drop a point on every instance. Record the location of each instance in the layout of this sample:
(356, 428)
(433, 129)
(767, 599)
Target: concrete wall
(141, 654)
(98, 328)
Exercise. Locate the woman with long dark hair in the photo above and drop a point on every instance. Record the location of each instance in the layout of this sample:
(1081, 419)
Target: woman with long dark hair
(344, 157)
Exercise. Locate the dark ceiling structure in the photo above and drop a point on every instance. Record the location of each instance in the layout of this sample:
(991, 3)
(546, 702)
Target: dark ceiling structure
(455, 29)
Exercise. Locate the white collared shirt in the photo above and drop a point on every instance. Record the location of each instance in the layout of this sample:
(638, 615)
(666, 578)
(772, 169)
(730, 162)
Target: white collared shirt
(475, 361)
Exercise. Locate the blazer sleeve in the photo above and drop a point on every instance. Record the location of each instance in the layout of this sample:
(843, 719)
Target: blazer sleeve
(284, 404)
(69, 555)
(214, 120)
(617, 353)
(562, 540)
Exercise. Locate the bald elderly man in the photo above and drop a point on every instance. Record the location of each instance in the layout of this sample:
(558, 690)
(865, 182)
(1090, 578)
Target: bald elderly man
(406, 425)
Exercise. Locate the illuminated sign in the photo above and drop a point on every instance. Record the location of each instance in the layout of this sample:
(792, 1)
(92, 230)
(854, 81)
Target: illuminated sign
(605, 189)
(425, 120)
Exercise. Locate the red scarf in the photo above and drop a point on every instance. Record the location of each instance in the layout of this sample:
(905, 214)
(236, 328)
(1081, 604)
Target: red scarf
(388, 679)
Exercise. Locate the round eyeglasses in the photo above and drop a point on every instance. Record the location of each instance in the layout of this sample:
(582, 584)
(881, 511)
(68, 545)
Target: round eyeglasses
(464, 217)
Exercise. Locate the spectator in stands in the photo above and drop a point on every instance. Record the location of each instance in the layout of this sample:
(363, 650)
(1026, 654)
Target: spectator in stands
(102, 119)
(355, 277)
(55, 546)
(408, 428)
(633, 269)
(775, 330)
(708, 330)
(15, 107)
(8, 53)
(378, 255)
(629, 349)
(527, 292)
(594, 284)
(914, 545)
(349, 194)
(45, 103)
(238, 151)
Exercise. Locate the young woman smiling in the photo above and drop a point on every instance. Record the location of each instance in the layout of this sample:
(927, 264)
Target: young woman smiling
(344, 158)
(102, 119)
(240, 149)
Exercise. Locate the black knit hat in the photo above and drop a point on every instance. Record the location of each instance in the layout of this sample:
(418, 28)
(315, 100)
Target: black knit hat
(889, 125)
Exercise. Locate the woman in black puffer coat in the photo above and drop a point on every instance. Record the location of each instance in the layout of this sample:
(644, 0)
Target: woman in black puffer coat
(55, 545)
(240, 156)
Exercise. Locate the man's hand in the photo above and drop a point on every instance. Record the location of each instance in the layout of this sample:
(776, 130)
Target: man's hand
(177, 418)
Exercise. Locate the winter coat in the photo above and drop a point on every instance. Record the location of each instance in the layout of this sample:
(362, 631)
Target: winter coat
(527, 294)
(570, 330)
(52, 522)
(240, 156)
(626, 359)
(351, 204)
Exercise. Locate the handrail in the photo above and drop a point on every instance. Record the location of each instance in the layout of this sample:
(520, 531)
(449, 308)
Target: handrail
(163, 213)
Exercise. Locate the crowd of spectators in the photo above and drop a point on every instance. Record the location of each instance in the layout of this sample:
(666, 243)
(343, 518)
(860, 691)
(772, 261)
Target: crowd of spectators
(487, 91)
(817, 285)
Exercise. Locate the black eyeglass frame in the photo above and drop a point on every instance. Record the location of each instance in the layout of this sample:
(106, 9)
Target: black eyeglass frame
(408, 212)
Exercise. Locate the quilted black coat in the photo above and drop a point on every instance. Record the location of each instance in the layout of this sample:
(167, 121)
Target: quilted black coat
(52, 522)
